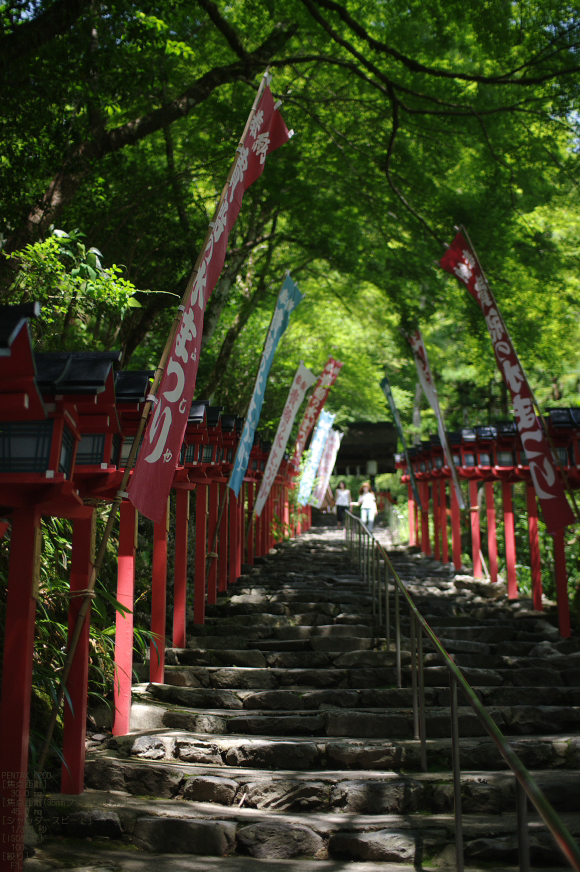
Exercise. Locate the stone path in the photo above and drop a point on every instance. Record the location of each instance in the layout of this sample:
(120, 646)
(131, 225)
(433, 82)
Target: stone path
(281, 739)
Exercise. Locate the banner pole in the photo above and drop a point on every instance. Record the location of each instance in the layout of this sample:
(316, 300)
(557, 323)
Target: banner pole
(538, 409)
(121, 493)
(212, 553)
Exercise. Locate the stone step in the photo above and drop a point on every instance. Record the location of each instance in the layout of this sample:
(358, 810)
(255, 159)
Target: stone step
(303, 698)
(170, 826)
(368, 722)
(359, 670)
(546, 751)
(105, 856)
(368, 793)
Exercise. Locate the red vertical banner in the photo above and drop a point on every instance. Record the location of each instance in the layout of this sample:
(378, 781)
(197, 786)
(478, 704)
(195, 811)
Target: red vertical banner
(315, 405)
(153, 474)
(460, 260)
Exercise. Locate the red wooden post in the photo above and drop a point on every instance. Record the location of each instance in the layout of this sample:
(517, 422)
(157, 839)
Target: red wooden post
(475, 530)
(510, 539)
(436, 520)
(17, 681)
(267, 524)
(213, 542)
(75, 718)
(234, 537)
(561, 584)
(180, 570)
(241, 538)
(455, 529)
(286, 509)
(411, 509)
(250, 521)
(124, 621)
(223, 540)
(268, 539)
(159, 599)
(258, 525)
(535, 561)
(491, 532)
(443, 517)
(425, 539)
(200, 549)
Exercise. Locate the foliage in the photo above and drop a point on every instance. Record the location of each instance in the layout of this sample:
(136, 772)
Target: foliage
(83, 304)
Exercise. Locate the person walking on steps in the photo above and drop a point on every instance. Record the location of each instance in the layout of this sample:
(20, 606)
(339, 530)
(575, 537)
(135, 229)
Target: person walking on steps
(368, 505)
(342, 499)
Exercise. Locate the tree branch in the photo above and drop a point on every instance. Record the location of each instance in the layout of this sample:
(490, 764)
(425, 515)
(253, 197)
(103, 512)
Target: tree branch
(31, 35)
(417, 67)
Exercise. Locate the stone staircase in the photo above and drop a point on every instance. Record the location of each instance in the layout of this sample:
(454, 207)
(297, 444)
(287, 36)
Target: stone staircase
(280, 733)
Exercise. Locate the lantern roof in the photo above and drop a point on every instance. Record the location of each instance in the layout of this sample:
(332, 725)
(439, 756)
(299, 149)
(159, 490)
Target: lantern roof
(132, 386)
(239, 424)
(12, 320)
(486, 432)
(454, 438)
(468, 434)
(213, 415)
(75, 372)
(564, 418)
(21, 400)
(506, 428)
(228, 423)
(197, 413)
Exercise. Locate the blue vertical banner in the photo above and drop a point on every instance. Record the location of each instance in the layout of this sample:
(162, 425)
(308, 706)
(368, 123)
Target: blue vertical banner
(319, 438)
(288, 299)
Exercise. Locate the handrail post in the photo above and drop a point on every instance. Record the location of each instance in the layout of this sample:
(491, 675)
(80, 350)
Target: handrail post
(379, 594)
(416, 734)
(387, 607)
(523, 833)
(422, 718)
(373, 553)
(456, 772)
(398, 636)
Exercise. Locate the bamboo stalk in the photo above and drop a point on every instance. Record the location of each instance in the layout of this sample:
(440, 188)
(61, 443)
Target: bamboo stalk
(134, 448)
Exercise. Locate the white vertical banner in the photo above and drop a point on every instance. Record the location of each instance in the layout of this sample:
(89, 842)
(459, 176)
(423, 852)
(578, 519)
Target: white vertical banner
(326, 466)
(323, 427)
(415, 340)
(303, 380)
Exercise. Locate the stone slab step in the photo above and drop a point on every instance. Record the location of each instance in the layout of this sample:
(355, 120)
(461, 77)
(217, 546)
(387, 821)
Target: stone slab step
(374, 723)
(102, 856)
(362, 671)
(331, 791)
(304, 698)
(170, 826)
(164, 743)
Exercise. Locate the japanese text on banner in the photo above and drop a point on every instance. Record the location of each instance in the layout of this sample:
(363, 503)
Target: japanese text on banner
(315, 405)
(155, 467)
(415, 340)
(460, 260)
(288, 299)
(326, 467)
(314, 455)
(303, 380)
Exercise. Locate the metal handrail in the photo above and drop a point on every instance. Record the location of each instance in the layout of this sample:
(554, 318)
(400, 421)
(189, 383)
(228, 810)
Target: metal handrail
(525, 784)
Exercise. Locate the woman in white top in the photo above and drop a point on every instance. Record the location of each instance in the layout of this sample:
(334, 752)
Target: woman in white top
(342, 500)
(368, 505)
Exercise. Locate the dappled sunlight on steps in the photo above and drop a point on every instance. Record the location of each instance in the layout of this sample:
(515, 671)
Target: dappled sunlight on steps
(280, 737)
